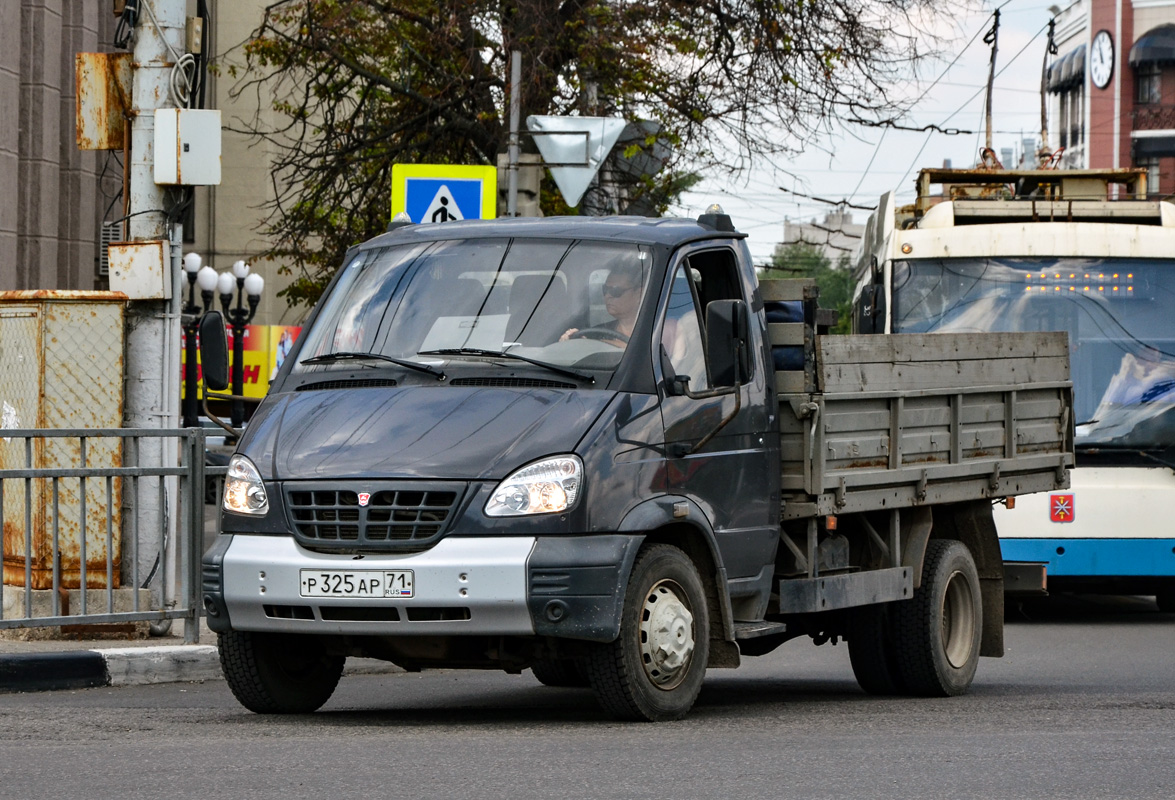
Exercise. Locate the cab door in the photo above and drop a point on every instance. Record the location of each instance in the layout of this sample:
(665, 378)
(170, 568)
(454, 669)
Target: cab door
(733, 477)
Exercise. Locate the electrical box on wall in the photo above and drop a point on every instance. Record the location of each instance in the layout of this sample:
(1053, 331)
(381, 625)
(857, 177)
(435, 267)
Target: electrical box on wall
(187, 147)
(138, 269)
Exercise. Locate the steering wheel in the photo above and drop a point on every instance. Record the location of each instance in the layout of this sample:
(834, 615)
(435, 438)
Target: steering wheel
(599, 335)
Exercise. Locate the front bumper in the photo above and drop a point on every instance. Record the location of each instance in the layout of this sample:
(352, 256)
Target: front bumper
(562, 586)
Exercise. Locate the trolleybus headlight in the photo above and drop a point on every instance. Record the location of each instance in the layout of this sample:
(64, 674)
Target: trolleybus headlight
(244, 493)
(544, 487)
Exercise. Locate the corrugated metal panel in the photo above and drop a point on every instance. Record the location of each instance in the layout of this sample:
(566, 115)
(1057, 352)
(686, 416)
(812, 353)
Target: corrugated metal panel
(62, 363)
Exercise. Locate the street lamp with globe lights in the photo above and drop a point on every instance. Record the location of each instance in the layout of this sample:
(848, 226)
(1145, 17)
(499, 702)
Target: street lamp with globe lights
(203, 277)
(249, 287)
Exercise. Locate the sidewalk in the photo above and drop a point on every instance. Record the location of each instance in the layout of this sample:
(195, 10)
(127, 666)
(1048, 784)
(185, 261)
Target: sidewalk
(45, 665)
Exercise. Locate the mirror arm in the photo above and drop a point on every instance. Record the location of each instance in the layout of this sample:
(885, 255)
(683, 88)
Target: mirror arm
(738, 402)
(680, 386)
(217, 419)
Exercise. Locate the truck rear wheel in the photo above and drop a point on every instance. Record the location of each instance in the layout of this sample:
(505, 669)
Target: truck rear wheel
(560, 672)
(937, 632)
(273, 673)
(871, 649)
(654, 669)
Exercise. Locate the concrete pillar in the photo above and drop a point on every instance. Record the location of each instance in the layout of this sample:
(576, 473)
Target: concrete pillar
(38, 171)
(10, 59)
(77, 204)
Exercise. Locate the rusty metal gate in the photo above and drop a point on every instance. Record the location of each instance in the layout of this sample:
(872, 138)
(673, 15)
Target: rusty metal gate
(73, 550)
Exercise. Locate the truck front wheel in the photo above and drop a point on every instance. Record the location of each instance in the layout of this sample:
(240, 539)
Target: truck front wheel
(937, 632)
(654, 669)
(273, 673)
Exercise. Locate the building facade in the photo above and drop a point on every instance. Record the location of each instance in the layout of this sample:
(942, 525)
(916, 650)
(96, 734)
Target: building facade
(836, 235)
(54, 195)
(1112, 88)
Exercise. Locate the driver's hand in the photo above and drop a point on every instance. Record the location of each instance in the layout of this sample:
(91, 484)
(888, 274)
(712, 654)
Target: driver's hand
(567, 334)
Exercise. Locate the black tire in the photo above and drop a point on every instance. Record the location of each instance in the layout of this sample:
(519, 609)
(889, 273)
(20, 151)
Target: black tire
(560, 673)
(871, 650)
(937, 632)
(273, 673)
(654, 670)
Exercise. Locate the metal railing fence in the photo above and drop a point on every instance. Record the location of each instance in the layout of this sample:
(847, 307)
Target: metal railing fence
(144, 491)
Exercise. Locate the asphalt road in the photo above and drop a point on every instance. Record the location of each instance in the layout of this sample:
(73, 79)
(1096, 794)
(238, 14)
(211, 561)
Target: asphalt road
(1082, 706)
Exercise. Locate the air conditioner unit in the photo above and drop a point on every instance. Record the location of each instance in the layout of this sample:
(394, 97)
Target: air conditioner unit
(111, 232)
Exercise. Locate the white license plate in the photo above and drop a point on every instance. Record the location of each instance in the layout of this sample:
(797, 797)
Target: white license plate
(356, 583)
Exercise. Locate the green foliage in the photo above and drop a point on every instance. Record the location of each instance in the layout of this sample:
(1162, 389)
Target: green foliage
(802, 260)
(358, 85)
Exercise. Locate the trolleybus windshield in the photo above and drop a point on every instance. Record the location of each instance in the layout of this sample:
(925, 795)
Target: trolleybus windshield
(1119, 314)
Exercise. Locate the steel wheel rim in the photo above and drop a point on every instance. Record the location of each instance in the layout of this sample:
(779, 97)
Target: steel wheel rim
(958, 620)
(666, 635)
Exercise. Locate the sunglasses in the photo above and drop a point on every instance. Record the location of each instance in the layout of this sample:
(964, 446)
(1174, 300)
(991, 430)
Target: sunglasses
(616, 291)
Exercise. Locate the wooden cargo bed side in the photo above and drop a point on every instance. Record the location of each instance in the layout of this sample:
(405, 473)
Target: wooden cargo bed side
(937, 361)
(914, 419)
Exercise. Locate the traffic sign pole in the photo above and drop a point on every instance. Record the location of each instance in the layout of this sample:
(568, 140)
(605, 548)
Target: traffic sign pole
(515, 114)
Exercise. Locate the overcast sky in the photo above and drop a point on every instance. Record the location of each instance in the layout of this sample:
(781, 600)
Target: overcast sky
(836, 167)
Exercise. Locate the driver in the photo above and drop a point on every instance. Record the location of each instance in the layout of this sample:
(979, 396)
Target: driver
(622, 298)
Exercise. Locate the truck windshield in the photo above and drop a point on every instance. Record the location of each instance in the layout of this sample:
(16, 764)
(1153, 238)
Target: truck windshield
(570, 303)
(1119, 314)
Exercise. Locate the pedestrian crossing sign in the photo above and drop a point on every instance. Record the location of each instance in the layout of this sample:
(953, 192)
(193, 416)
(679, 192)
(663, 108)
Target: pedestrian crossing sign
(444, 192)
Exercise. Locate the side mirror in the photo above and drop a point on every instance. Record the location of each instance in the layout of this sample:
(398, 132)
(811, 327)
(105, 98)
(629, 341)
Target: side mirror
(870, 310)
(214, 351)
(727, 342)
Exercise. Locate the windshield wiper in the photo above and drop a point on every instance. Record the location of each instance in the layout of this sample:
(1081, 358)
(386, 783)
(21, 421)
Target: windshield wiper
(1164, 457)
(327, 358)
(474, 351)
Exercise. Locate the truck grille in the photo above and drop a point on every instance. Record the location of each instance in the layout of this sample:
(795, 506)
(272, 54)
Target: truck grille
(396, 515)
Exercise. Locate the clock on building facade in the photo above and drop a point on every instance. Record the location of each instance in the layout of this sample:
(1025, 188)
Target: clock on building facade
(1101, 59)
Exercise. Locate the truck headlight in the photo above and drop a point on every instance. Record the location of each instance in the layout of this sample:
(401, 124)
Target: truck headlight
(544, 487)
(244, 493)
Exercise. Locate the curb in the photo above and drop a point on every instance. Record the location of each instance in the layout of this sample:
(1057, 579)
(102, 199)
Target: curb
(131, 666)
(128, 666)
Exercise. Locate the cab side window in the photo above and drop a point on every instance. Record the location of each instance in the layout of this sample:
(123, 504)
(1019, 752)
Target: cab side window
(699, 280)
(681, 336)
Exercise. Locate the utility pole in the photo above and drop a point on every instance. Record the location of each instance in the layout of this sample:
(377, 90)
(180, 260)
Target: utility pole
(153, 326)
(1044, 156)
(992, 37)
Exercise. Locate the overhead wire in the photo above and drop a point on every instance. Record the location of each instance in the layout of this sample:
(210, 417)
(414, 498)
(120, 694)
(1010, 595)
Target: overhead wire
(969, 100)
(932, 128)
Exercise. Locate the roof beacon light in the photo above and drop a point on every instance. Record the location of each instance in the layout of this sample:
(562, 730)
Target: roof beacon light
(715, 219)
(399, 221)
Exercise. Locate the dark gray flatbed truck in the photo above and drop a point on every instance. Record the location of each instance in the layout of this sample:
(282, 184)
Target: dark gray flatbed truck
(601, 450)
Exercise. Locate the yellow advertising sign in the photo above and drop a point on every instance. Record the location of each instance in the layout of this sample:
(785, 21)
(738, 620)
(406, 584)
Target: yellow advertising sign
(266, 348)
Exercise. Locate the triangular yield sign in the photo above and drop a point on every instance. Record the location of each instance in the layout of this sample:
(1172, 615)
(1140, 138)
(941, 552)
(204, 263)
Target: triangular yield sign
(574, 148)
